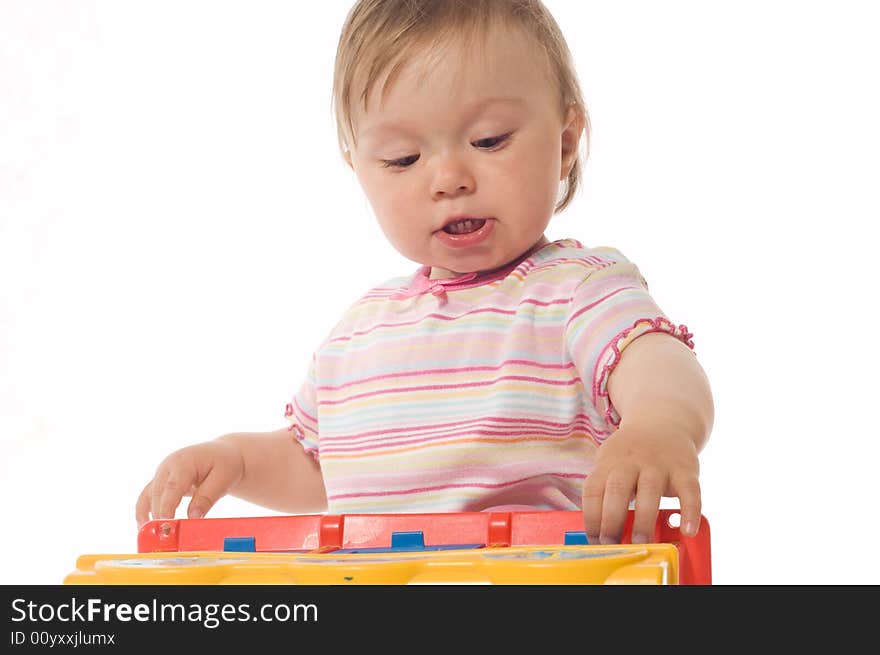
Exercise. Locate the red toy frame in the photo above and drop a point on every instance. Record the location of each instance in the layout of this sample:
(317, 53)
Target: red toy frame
(329, 532)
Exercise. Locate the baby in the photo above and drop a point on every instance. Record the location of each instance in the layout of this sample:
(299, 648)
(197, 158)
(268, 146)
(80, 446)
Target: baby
(508, 371)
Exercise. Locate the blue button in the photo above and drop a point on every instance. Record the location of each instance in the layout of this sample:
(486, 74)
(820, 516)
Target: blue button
(240, 545)
(408, 539)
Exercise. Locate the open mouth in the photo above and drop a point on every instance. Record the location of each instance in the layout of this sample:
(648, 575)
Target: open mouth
(465, 226)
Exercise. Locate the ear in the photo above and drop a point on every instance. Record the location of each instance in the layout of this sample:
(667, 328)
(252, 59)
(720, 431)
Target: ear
(573, 127)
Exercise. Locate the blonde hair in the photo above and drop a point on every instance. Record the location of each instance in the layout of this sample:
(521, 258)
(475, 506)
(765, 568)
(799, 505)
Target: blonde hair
(383, 35)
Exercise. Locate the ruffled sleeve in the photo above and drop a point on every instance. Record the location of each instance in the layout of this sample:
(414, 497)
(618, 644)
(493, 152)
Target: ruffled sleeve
(610, 309)
(302, 414)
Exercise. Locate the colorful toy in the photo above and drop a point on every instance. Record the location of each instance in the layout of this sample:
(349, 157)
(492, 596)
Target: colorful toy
(459, 548)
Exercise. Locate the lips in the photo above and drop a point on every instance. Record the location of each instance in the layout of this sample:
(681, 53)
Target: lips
(464, 226)
(465, 231)
(457, 222)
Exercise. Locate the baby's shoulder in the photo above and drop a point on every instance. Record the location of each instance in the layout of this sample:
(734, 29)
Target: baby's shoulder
(569, 262)
(370, 308)
(568, 250)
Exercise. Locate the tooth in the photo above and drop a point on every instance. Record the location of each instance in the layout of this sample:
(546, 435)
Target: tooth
(465, 226)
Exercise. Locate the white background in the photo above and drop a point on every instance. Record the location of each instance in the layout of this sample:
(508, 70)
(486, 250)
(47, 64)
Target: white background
(178, 232)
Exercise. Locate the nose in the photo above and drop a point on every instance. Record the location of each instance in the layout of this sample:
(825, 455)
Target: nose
(452, 178)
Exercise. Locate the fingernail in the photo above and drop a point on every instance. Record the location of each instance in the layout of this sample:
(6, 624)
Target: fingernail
(689, 528)
(640, 539)
(196, 514)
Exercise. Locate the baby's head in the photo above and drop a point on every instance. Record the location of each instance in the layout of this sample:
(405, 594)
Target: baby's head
(450, 110)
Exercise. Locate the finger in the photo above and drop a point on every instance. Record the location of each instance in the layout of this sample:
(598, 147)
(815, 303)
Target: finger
(651, 484)
(618, 492)
(156, 490)
(142, 507)
(592, 498)
(687, 487)
(213, 488)
(172, 494)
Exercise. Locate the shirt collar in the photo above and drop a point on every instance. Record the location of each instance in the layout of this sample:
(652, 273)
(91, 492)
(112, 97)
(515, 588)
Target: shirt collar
(422, 283)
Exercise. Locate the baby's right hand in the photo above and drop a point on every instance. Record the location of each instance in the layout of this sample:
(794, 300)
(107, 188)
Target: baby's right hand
(205, 471)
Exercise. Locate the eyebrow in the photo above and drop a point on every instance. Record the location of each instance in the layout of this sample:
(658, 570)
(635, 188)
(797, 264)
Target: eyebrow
(472, 110)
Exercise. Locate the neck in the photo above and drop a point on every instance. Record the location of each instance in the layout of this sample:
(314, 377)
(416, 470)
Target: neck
(440, 273)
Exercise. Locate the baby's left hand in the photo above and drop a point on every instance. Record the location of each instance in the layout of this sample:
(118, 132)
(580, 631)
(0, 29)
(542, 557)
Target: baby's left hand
(643, 463)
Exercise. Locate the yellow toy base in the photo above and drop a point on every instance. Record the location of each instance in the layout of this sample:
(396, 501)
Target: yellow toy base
(649, 564)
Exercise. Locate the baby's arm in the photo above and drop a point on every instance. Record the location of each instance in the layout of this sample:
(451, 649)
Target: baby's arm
(278, 473)
(665, 405)
(271, 469)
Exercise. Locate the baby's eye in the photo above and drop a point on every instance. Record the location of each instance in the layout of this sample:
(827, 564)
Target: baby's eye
(403, 162)
(491, 142)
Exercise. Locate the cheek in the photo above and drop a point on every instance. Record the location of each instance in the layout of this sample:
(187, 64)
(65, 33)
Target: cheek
(394, 204)
(532, 180)
(380, 194)
(400, 201)
(546, 161)
(399, 211)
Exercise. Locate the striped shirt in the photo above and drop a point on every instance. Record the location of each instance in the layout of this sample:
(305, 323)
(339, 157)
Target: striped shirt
(476, 392)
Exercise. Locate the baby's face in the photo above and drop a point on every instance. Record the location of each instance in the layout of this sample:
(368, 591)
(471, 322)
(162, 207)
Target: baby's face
(478, 135)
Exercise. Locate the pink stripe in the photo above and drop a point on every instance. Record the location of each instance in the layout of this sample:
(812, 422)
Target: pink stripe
(588, 262)
(440, 438)
(445, 317)
(379, 292)
(441, 317)
(446, 345)
(478, 485)
(441, 387)
(471, 429)
(433, 371)
(593, 304)
(438, 426)
(302, 412)
(543, 303)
